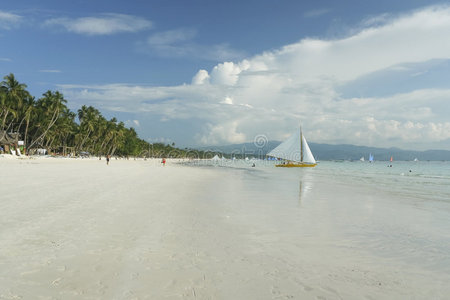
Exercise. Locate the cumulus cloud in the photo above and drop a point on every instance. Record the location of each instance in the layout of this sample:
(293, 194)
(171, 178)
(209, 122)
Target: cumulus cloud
(228, 72)
(271, 93)
(9, 20)
(202, 77)
(223, 132)
(105, 24)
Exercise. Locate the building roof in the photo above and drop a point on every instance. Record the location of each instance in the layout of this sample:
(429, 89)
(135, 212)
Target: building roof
(8, 138)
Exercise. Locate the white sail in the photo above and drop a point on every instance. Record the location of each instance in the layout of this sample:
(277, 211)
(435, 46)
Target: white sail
(289, 149)
(307, 154)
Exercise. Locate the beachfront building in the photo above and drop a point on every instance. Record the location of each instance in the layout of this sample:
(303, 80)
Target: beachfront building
(8, 141)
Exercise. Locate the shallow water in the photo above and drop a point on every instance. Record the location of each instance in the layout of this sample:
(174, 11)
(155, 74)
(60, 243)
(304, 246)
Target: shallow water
(428, 180)
(425, 180)
(397, 215)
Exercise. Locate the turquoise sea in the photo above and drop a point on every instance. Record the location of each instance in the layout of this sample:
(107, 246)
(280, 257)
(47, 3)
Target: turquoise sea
(372, 212)
(427, 180)
(418, 180)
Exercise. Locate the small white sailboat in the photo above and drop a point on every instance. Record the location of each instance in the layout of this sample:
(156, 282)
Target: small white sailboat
(295, 151)
(362, 158)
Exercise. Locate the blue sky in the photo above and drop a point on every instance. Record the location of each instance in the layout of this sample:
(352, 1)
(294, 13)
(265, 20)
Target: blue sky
(218, 72)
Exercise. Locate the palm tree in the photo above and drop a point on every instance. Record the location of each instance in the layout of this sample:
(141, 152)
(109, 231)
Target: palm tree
(13, 96)
(118, 138)
(29, 111)
(89, 118)
(50, 108)
(108, 134)
(5, 108)
(63, 130)
(48, 122)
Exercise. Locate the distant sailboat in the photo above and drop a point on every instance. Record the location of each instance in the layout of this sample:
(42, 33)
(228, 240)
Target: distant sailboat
(362, 158)
(392, 159)
(370, 157)
(295, 151)
(415, 159)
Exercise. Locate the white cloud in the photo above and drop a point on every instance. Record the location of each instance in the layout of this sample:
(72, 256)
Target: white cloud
(409, 38)
(223, 132)
(202, 77)
(162, 140)
(105, 24)
(316, 13)
(181, 43)
(167, 38)
(227, 100)
(228, 72)
(273, 92)
(377, 20)
(132, 123)
(9, 20)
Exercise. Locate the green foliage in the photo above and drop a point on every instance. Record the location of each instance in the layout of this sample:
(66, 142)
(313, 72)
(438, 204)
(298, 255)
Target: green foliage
(48, 123)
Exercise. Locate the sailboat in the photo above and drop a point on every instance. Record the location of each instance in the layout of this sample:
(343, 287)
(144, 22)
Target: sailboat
(295, 151)
(370, 157)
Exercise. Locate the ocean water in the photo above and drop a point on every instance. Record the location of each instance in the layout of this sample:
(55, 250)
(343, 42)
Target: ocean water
(425, 180)
(371, 212)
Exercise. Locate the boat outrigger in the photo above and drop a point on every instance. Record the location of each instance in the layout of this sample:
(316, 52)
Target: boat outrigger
(295, 152)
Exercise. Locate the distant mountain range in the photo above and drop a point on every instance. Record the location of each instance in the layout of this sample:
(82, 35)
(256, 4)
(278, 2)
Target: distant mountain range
(332, 152)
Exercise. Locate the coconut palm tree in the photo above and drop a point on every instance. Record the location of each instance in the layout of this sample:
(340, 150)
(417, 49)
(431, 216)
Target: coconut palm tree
(48, 122)
(89, 117)
(13, 95)
(50, 107)
(29, 112)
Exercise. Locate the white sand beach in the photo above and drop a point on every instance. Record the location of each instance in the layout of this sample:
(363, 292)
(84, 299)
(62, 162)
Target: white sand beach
(79, 229)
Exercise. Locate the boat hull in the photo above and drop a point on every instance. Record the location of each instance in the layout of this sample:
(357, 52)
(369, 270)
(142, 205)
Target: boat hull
(296, 165)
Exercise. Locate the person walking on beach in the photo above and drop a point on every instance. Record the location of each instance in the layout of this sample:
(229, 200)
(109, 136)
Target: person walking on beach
(163, 161)
(107, 159)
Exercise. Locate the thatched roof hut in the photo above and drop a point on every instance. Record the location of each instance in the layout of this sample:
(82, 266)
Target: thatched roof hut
(8, 139)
